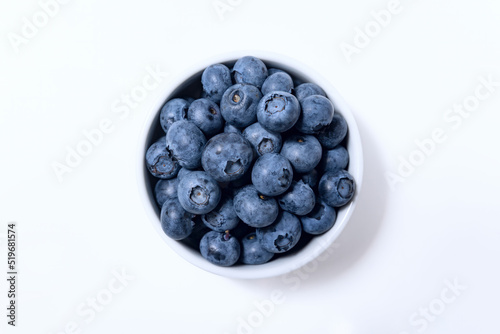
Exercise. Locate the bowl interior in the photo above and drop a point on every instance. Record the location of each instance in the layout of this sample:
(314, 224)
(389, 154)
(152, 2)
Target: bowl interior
(308, 247)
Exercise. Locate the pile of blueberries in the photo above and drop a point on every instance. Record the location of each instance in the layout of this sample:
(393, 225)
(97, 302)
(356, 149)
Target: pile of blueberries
(254, 164)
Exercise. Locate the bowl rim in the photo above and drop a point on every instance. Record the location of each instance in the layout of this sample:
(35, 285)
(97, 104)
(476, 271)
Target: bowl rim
(317, 245)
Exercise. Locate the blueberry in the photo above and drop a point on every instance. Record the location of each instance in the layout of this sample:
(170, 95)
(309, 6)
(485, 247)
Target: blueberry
(166, 189)
(282, 235)
(299, 199)
(262, 140)
(215, 80)
(184, 171)
(320, 219)
(252, 251)
(239, 105)
(223, 217)
(333, 134)
(250, 70)
(311, 178)
(205, 114)
(337, 188)
(231, 128)
(278, 111)
(317, 113)
(279, 81)
(160, 161)
(335, 160)
(303, 152)
(254, 209)
(307, 89)
(186, 141)
(173, 111)
(220, 249)
(198, 193)
(176, 222)
(272, 174)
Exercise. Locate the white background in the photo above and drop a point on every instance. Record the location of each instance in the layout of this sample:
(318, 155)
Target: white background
(394, 257)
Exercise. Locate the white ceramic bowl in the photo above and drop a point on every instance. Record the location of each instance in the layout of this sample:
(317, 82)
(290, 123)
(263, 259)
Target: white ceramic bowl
(282, 265)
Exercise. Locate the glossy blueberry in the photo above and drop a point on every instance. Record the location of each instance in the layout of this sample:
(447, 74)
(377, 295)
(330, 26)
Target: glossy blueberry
(334, 160)
(282, 235)
(231, 128)
(307, 89)
(215, 80)
(299, 199)
(262, 140)
(220, 249)
(254, 209)
(320, 219)
(303, 151)
(173, 111)
(198, 193)
(272, 174)
(166, 189)
(250, 70)
(223, 217)
(239, 105)
(252, 251)
(317, 113)
(160, 160)
(176, 222)
(311, 178)
(337, 188)
(279, 81)
(186, 141)
(205, 114)
(227, 156)
(333, 134)
(278, 111)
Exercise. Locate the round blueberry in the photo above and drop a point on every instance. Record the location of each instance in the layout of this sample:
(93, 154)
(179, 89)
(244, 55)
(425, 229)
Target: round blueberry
(337, 188)
(272, 174)
(333, 134)
(252, 251)
(173, 111)
(220, 249)
(334, 160)
(262, 140)
(205, 114)
(239, 105)
(176, 222)
(227, 156)
(250, 70)
(166, 189)
(160, 161)
(317, 113)
(307, 89)
(198, 193)
(278, 111)
(282, 235)
(303, 152)
(223, 217)
(255, 209)
(320, 219)
(279, 81)
(299, 199)
(186, 141)
(215, 80)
